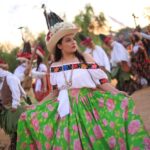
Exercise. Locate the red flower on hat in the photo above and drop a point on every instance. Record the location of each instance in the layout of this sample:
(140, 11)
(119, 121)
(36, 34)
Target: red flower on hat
(40, 51)
(49, 35)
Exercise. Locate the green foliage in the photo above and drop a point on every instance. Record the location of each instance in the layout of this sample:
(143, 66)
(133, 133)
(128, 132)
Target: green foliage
(41, 41)
(89, 22)
(10, 58)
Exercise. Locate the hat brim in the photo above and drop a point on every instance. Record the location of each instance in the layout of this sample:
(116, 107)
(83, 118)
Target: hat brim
(22, 59)
(51, 44)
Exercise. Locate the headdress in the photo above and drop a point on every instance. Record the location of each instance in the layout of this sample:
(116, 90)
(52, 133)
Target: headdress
(84, 40)
(57, 29)
(25, 54)
(40, 51)
(105, 39)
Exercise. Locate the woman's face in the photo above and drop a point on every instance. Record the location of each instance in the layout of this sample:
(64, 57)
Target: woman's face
(68, 44)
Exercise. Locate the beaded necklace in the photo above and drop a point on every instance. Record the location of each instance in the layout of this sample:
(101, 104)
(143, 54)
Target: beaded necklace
(68, 84)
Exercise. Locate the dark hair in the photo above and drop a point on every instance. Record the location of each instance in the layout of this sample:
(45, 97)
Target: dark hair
(39, 61)
(136, 38)
(58, 53)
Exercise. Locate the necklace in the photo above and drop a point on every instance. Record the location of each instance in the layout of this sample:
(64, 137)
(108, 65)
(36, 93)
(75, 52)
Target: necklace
(68, 84)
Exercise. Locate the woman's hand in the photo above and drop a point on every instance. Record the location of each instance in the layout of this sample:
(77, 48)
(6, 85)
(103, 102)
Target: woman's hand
(113, 90)
(120, 92)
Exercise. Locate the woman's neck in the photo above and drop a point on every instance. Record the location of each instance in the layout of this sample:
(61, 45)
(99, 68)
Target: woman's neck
(69, 58)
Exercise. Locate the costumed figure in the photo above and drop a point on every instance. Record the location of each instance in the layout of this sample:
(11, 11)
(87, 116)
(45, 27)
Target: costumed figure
(80, 116)
(41, 85)
(140, 62)
(120, 62)
(24, 70)
(11, 93)
(97, 52)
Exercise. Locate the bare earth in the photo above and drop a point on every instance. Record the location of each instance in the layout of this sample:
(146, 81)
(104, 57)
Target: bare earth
(142, 102)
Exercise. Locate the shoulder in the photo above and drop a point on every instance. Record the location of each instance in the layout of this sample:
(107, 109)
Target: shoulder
(55, 64)
(87, 50)
(88, 58)
(43, 66)
(12, 78)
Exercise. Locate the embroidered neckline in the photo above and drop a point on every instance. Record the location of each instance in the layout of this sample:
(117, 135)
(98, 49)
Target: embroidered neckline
(74, 66)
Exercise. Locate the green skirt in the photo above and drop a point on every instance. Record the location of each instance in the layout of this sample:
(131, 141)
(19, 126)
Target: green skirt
(97, 121)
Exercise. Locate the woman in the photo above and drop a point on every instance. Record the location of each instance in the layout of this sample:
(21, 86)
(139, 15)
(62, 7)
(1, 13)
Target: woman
(81, 116)
(41, 86)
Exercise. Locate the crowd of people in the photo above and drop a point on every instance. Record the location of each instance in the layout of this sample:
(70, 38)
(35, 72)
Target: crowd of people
(69, 102)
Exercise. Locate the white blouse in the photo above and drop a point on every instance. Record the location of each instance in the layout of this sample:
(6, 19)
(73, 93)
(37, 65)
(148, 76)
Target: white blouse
(81, 77)
(38, 84)
(14, 85)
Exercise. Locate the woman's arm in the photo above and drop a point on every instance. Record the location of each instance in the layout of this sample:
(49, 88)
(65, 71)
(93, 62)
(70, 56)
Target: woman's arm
(146, 36)
(110, 88)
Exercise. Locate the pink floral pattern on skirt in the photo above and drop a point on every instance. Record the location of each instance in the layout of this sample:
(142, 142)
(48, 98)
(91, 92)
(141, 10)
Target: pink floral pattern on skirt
(97, 121)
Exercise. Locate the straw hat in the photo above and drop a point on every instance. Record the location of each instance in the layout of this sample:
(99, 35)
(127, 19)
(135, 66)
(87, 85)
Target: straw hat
(58, 31)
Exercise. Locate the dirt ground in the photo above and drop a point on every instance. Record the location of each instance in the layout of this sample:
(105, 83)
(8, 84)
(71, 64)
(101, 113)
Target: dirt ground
(142, 102)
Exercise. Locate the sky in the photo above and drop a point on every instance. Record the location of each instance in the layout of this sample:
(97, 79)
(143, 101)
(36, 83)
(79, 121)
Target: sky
(28, 13)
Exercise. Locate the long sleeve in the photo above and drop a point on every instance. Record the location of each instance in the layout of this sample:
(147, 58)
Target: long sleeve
(37, 74)
(14, 86)
(106, 61)
(19, 75)
(98, 76)
(146, 36)
(118, 54)
(19, 72)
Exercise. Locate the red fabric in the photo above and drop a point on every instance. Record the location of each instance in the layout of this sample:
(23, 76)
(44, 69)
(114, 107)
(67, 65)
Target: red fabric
(41, 95)
(102, 81)
(107, 39)
(1, 61)
(86, 41)
(24, 55)
(41, 50)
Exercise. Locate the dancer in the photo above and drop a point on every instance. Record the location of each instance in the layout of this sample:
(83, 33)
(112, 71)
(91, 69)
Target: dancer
(41, 85)
(11, 93)
(121, 68)
(97, 52)
(87, 113)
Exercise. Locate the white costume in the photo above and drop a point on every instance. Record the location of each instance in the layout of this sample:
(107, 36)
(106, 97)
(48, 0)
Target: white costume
(146, 36)
(80, 78)
(14, 85)
(118, 54)
(19, 71)
(42, 70)
(99, 56)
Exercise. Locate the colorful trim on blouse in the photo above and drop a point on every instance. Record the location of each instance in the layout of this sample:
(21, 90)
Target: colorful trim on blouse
(74, 66)
(79, 66)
